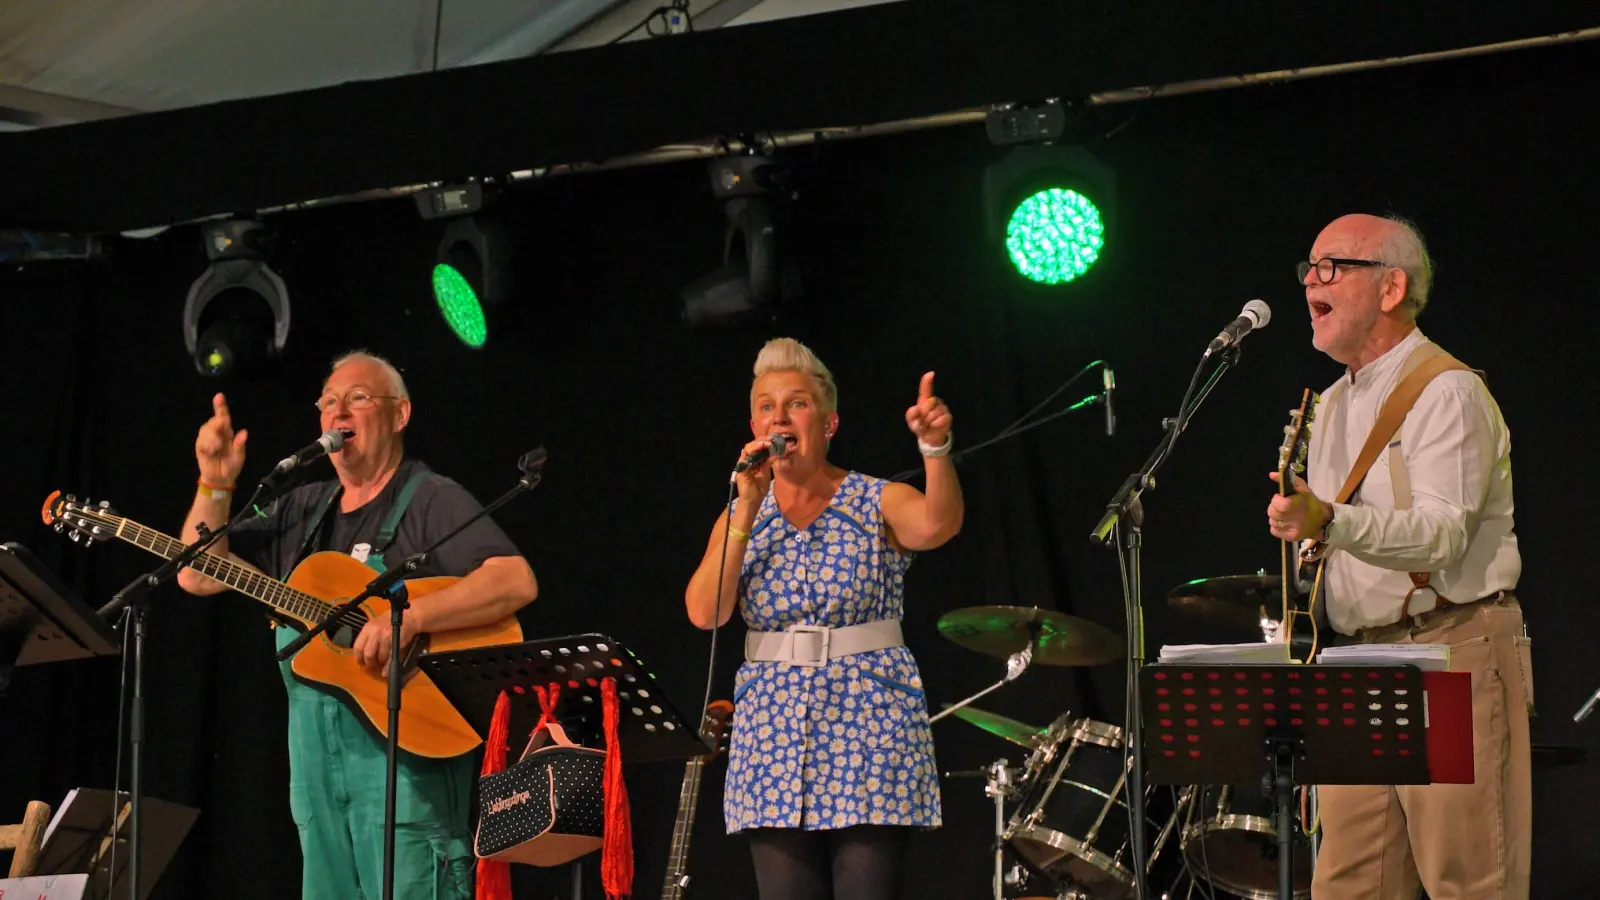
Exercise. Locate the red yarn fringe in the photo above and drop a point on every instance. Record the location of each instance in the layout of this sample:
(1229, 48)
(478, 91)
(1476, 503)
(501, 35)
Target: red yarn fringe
(494, 877)
(616, 855)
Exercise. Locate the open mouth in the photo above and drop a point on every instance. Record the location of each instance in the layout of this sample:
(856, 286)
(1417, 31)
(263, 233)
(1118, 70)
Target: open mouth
(1319, 310)
(790, 442)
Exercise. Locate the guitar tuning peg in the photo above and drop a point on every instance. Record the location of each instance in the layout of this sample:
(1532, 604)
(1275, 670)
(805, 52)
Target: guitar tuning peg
(73, 537)
(58, 527)
(105, 504)
(71, 498)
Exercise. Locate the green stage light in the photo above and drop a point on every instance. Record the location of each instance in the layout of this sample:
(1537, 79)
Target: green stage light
(460, 306)
(1055, 235)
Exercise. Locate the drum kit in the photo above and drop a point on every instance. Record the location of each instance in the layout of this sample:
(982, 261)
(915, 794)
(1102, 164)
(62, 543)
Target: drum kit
(1063, 815)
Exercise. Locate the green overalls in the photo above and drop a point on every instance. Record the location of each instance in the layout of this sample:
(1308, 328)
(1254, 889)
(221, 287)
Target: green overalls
(337, 781)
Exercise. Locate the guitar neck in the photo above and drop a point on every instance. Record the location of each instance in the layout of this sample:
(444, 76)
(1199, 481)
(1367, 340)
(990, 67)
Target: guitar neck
(295, 604)
(682, 829)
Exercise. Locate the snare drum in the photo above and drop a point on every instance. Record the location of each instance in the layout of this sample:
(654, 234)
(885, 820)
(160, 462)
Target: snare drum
(1234, 843)
(1072, 821)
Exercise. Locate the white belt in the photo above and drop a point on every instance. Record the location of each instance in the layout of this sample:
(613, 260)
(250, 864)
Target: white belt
(815, 645)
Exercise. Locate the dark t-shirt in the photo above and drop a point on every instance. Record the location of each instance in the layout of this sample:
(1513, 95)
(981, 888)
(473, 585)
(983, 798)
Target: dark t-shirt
(439, 505)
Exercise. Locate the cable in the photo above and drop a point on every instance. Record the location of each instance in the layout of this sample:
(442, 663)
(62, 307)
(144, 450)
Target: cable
(716, 619)
(438, 17)
(1012, 430)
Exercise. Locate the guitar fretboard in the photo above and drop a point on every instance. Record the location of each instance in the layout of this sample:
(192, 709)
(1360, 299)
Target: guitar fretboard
(683, 827)
(285, 599)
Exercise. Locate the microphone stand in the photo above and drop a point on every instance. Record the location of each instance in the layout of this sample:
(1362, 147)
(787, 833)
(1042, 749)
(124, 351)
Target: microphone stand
(133, 600)
(390, 584)
(1588, 707)
(1124, 516)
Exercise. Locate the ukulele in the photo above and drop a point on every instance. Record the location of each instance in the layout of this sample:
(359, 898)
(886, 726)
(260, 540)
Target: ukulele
(429, 724)
(676, 885)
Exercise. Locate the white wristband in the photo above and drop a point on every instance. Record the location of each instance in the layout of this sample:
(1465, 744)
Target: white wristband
(933, 452)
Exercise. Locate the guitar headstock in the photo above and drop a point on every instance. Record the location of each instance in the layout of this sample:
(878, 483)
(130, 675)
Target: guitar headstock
(1296, 440)
(82, 521)
(715, 727)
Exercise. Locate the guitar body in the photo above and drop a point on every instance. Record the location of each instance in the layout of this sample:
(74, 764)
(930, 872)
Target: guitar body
(429, 725)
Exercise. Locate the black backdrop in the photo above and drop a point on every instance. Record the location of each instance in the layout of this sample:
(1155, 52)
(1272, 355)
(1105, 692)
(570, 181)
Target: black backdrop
(1219, 195)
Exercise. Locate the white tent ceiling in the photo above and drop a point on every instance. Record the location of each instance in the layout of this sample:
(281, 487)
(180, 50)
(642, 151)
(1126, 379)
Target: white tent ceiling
(64, 61)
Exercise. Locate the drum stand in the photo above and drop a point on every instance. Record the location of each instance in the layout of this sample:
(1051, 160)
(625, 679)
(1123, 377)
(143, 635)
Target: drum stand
(1016, 664)
(999, 786)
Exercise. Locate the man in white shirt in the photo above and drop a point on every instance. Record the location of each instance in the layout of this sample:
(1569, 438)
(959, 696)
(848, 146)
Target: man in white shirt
(1424, 552)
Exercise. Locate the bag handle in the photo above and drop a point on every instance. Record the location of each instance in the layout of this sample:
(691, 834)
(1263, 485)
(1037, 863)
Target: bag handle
(548, 725)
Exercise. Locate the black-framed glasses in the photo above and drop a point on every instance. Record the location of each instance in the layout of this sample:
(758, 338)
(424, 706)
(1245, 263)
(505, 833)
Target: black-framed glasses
(356, 399)
(1328, 267)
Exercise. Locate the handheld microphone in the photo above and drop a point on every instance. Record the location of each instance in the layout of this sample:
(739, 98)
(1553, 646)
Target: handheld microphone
(330, 442)
(1255, 314)
(1109, 379)
(780, 446)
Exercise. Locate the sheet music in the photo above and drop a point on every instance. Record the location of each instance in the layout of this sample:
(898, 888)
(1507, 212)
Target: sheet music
(1259, 653)
(1427, 657)
(55, 819)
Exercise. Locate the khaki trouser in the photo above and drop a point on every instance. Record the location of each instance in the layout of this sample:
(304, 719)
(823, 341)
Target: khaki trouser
(1456, 840)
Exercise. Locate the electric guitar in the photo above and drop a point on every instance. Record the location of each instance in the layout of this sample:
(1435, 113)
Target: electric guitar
(429, 725)
(677, 883)
(1291, 462)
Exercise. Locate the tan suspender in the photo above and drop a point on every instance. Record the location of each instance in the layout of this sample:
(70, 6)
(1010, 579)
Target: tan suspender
(1425, 363)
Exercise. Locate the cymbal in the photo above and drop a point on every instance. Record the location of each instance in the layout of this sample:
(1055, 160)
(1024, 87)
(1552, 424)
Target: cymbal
(1019, 733)
(1058, 639)
(1234, 600)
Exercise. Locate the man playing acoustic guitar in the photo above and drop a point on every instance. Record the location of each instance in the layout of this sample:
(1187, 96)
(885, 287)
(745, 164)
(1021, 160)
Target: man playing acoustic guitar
(1419, 549)
(382, 507)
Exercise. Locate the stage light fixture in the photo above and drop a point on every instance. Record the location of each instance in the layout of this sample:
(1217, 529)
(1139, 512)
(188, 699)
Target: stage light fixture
(471, 274)
(755, 276)
(1050, 206)
(236, 316)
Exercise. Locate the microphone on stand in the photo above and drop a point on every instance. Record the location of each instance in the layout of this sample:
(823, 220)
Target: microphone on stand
(331, 441)
(1109, 379)
(1256, 314)
(780, 446)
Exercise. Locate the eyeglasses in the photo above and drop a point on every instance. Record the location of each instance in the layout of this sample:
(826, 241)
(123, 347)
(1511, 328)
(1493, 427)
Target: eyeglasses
(1328, 267)
(357, 399)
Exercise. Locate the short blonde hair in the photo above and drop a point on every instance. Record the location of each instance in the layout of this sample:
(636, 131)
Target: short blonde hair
(398, 383)
(789, 355)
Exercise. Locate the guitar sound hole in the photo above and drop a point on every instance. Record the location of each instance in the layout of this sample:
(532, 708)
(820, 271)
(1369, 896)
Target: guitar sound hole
(345, 637)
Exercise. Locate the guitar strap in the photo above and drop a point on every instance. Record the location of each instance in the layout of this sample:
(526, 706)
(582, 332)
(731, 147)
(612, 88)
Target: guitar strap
(1425, 363)
(386, 531)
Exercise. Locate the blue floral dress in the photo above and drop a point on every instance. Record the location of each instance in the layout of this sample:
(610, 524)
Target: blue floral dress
(837, 745)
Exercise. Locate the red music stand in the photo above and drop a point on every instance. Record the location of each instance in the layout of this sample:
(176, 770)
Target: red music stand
(1285, 725)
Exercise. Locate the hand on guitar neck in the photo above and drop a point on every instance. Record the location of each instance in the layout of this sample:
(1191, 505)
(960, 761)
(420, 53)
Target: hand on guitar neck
(1298, 514)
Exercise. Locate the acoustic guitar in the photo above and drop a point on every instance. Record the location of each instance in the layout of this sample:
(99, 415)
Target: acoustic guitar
(714, 727)
(429, 725)
(1292, 462)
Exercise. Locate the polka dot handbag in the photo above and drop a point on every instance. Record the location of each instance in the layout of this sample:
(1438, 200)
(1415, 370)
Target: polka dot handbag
(548, 808)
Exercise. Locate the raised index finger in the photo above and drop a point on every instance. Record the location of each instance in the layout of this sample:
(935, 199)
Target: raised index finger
(219, 406)
(925, 390)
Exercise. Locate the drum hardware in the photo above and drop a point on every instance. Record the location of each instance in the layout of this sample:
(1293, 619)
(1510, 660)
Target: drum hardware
(1234, 844)
(1019, 733)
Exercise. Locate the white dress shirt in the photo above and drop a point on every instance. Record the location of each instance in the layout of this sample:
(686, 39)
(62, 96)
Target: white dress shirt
(1457, 453)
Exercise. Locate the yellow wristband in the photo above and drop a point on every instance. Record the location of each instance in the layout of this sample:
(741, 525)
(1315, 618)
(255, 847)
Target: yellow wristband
(215, 490)
(740, 536)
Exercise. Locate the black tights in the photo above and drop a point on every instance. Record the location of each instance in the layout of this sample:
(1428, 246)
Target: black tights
(862, 862)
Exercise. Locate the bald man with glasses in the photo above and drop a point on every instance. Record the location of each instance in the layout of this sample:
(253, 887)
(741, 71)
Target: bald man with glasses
(1422, 552)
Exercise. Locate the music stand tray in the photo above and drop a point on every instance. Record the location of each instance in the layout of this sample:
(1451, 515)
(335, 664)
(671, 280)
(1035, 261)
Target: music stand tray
(649, 727)
(78, 840)
(41, 620)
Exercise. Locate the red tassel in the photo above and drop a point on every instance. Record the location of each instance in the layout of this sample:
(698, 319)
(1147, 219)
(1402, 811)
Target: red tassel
(616, 855)
(494, 877)
(549, 699)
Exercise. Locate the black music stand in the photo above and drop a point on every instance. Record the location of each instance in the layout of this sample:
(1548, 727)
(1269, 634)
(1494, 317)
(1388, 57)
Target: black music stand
(79, 840)
(649, 726)
(41, 620)
(1284, 726)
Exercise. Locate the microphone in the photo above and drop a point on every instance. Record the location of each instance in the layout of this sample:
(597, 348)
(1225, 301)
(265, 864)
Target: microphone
(780, 446)
(1255, 314)
(1109, 378)
(330, 442)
